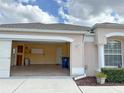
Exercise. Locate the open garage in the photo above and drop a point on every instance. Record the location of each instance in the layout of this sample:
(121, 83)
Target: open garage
(40, 58)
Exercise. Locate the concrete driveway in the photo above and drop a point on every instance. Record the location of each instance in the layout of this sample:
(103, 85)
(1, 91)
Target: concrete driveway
(38, 85)
(102, 89)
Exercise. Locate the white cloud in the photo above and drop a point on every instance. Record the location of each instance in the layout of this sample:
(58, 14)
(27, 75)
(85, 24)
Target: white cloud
(15, 12)
(58, 1)
(103, 17)
(67, 18)
(26, 1)
(89, 12)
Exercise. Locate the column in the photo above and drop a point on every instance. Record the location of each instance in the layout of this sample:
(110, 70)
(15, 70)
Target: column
(76, 59)
(101, 61)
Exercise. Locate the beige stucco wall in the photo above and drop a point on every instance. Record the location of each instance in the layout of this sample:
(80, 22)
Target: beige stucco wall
(77, 55)
(101, 34)
(90, 53)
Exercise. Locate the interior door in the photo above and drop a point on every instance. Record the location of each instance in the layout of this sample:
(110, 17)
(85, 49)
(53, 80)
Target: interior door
(14, 56)
(59, 56)
(20, 52)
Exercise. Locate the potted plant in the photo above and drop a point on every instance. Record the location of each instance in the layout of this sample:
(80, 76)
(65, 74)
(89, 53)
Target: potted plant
(101, 77)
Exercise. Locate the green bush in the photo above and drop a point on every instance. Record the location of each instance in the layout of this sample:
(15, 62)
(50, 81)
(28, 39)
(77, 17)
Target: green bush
(114, 74)
(101, 75)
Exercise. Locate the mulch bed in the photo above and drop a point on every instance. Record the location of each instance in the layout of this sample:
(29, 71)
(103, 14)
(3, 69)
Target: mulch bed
(91, 81)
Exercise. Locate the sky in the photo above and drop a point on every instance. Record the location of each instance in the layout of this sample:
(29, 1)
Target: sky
(76, 12)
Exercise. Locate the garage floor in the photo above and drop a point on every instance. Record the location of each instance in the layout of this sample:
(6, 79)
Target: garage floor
(39, 70)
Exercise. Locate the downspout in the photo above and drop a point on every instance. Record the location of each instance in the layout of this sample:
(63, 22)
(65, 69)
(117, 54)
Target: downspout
(85, 67)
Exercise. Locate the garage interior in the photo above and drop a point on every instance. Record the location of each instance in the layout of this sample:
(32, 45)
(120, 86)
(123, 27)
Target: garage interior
(31, 58)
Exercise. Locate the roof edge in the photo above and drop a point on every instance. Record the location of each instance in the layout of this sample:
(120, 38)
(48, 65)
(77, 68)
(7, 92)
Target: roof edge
(41, 30)
(108, 25)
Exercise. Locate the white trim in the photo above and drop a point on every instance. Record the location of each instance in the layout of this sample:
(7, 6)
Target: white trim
(115, 34)
(34, 37)
(41, 30)
(89, 38)
(111, 66)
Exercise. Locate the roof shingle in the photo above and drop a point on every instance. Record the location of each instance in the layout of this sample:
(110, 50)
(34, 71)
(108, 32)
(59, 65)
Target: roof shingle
(46, 26)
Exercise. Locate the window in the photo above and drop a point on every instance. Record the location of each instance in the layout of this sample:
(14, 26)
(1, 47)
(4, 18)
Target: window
(113, 53)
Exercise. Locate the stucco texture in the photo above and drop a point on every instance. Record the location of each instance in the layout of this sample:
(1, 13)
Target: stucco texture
(90, 54)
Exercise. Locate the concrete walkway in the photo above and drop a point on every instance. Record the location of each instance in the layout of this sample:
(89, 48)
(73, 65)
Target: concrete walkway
(102, 89)
(38, 85)
(52, 85)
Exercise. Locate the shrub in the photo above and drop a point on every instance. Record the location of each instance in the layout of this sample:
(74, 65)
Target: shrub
(101, 75)
(114, 74)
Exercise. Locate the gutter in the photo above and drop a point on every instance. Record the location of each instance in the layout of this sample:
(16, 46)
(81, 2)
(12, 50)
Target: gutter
(41, 30)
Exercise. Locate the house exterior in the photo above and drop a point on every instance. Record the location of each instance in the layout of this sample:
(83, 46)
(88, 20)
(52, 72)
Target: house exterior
(88, 48)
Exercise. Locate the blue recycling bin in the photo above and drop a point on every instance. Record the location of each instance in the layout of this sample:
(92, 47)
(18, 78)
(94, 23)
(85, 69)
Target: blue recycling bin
(65, 62)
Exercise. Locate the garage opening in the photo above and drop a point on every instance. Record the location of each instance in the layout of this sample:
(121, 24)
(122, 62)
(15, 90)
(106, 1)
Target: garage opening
(31, 58)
